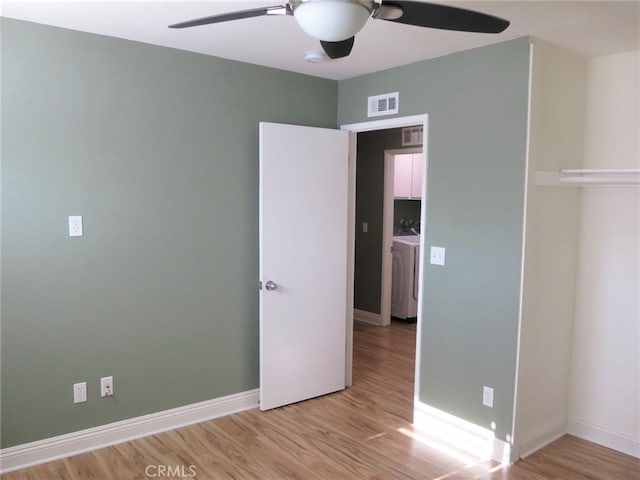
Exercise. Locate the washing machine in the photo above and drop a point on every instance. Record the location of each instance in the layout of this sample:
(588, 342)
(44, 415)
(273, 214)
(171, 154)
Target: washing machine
(404, 277)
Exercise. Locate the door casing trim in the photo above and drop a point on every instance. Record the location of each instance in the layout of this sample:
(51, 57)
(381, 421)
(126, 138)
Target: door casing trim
(354, 129)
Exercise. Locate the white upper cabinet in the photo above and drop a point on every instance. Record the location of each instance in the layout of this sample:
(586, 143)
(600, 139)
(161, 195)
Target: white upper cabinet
(407, 178)
(402, 175)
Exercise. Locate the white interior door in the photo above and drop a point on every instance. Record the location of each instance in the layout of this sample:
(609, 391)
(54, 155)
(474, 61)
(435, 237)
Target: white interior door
(303, 262)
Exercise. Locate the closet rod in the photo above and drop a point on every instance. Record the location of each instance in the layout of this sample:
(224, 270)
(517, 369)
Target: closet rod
(586, 177)
(601, 171)
(601, 180)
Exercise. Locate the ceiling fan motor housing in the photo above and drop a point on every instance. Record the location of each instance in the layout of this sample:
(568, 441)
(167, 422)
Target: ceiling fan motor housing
(332, 20)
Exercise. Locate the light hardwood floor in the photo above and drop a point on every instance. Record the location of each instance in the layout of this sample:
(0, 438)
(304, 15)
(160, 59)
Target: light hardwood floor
(364, 432)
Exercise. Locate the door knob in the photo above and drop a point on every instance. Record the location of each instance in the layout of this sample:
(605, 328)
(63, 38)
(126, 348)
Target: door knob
(271, 286)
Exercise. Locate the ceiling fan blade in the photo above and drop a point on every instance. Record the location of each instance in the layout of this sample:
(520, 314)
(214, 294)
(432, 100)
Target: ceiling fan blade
(226, 17)
(440, 16)
(338, 49)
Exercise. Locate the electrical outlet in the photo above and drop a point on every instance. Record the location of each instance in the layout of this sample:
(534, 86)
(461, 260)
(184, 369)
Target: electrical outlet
(106, 386)
(75, 226)
(487, 396)
(437, 255)
(79, 392)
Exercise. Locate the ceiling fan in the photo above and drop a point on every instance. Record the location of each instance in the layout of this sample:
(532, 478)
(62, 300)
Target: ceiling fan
(336, 22)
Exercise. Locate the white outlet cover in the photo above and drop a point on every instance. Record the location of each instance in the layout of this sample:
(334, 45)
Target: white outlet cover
(106, 386)
(80, 392)
(437, 255)
(487, 396)
(75, 226)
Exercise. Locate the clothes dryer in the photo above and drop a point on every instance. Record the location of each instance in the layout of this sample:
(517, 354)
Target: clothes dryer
(404, 277)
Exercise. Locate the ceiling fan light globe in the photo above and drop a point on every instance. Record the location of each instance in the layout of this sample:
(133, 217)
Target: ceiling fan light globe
(331, 20)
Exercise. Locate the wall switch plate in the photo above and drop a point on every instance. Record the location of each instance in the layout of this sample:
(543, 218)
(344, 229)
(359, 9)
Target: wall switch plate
(79, 392)
(365, 227)
(437, 255)
(106, 386)
(487, 396)
(75, 226)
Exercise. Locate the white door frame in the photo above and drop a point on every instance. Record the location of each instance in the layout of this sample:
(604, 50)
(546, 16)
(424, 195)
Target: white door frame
(354, 129)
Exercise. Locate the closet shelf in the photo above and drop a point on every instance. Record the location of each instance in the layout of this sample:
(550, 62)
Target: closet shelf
(583, 177)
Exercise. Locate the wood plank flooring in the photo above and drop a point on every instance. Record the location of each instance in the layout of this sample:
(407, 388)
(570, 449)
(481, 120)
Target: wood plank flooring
(364, 432)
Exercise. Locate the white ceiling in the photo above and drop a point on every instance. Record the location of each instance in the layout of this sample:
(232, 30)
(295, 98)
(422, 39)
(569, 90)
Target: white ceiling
(590, 28)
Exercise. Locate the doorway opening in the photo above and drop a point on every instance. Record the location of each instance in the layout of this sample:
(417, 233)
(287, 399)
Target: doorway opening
(380, 302)
(402, 211)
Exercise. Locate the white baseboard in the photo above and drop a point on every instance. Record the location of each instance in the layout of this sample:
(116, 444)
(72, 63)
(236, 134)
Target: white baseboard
(449, 432)
(62, 446)
(605, 437)
(368, 317)
(542, 437)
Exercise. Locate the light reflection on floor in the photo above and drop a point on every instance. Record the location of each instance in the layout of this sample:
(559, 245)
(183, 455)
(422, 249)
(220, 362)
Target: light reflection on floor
(471, 448)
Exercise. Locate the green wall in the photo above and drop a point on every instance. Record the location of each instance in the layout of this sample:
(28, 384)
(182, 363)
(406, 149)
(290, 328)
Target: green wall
(158, 150)
(477, 106)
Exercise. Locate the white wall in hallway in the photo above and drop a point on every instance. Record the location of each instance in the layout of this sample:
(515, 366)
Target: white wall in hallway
(605, 375)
